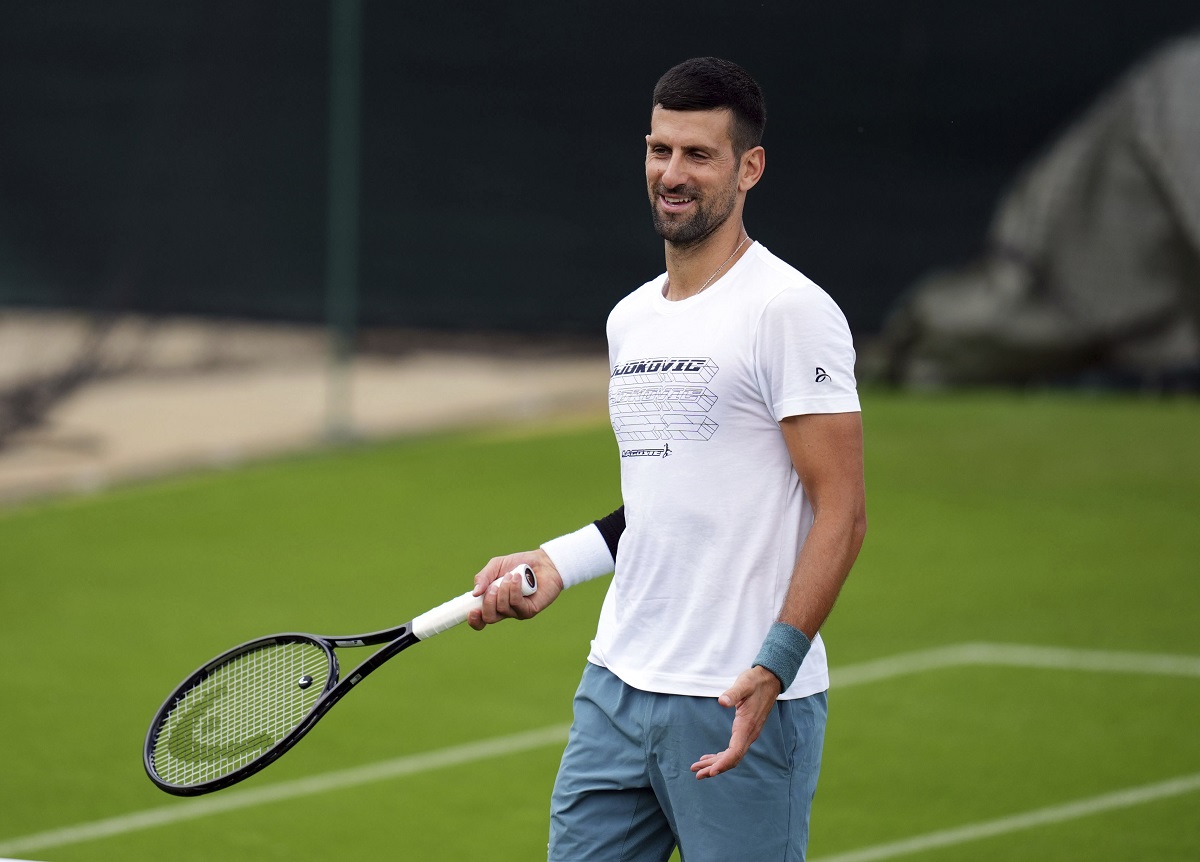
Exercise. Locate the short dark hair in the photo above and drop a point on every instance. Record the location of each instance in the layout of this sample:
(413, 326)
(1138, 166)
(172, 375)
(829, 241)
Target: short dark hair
(710, 83)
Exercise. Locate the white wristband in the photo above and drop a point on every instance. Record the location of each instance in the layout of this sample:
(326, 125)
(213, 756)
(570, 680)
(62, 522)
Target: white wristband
(579, 556)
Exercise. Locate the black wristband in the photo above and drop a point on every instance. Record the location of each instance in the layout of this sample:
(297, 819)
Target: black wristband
(611, 527)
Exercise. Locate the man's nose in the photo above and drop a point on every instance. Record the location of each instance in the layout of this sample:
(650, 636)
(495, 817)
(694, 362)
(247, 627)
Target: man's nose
(675, 173)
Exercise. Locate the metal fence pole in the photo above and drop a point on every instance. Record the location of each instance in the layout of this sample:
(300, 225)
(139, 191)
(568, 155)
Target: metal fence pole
(341, 273)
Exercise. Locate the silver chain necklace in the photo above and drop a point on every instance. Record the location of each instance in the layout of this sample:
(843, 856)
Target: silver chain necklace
(667, 287)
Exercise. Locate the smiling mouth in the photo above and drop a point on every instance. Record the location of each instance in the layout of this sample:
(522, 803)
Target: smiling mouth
(674, 202)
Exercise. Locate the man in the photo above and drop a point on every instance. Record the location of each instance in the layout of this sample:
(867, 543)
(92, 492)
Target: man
(733, 401)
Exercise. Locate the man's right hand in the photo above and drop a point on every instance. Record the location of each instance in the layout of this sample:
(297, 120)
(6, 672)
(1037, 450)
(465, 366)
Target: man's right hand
(502, 597)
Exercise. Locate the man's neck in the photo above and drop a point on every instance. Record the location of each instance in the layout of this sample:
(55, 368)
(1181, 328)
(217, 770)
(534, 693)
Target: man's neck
(695, 268)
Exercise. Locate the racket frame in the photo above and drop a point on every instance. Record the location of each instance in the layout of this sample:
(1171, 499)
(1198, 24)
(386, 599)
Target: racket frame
(396, 640)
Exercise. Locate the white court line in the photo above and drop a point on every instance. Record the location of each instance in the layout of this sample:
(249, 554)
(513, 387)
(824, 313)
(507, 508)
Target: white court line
(1028, 820)
(238, 799)
(1015, 655)
(960, 655)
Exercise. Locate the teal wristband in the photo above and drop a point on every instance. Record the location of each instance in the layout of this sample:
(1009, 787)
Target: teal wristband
(783, 652)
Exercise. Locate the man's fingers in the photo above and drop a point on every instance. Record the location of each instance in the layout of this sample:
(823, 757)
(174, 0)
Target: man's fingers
(503, 599)
(491, 584)
(711, 765)
(737, 693)
(714, 764)
(487, 576)
(501, 589)
(501, 595)
(747, 724)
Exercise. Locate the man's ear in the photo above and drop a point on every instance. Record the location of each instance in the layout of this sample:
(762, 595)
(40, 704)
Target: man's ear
(750, 171)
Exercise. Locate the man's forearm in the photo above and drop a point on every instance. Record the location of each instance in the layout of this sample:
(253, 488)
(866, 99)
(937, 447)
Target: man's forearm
(822, 568)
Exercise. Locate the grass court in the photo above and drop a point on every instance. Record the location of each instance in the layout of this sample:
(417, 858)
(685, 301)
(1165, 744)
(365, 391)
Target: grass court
(1016, 657)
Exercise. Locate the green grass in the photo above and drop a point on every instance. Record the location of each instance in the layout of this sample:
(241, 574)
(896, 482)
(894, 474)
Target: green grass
(1056, 521)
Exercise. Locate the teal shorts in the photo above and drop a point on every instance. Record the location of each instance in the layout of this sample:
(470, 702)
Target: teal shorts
(625, 791)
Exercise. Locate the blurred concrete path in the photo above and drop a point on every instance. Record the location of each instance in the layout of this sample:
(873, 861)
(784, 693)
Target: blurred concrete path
(168, 396)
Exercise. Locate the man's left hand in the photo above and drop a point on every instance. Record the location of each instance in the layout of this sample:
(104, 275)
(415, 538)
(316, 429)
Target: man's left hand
(752, 695)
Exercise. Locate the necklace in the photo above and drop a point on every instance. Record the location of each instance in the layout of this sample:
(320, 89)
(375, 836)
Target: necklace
(667, 286)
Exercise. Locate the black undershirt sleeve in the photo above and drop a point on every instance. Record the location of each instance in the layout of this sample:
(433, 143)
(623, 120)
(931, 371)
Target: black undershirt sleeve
(611, 527)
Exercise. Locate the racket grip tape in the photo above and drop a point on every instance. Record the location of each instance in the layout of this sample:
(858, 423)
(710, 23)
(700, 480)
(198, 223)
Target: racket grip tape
(449, 614)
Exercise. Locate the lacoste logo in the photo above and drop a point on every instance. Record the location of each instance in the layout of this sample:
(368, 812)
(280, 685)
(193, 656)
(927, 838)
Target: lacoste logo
(821, 375)
(663, 452)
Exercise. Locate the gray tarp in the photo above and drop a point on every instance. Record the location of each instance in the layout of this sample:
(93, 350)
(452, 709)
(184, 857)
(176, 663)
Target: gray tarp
(1093, 256)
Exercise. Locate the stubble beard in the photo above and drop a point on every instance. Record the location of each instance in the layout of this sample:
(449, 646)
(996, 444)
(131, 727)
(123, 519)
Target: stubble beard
(691, 231)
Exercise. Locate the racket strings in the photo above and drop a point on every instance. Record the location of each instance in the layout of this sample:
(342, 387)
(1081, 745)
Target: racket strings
(238, 711)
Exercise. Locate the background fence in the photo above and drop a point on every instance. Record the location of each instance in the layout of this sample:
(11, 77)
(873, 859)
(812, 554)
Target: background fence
(172, 157)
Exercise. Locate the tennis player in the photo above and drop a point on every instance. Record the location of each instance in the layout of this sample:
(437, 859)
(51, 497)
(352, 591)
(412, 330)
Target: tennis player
(701, 713)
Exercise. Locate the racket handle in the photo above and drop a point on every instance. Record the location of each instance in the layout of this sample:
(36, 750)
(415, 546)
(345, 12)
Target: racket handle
(449, 614)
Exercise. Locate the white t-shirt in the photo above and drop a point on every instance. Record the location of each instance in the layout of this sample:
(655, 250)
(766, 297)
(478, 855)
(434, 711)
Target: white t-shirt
(715, 514)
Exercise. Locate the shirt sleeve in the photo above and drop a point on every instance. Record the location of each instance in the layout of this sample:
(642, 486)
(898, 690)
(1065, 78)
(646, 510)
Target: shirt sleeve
(804, 355)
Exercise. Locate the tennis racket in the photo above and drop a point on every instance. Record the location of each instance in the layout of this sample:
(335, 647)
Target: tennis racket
(244, 709)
